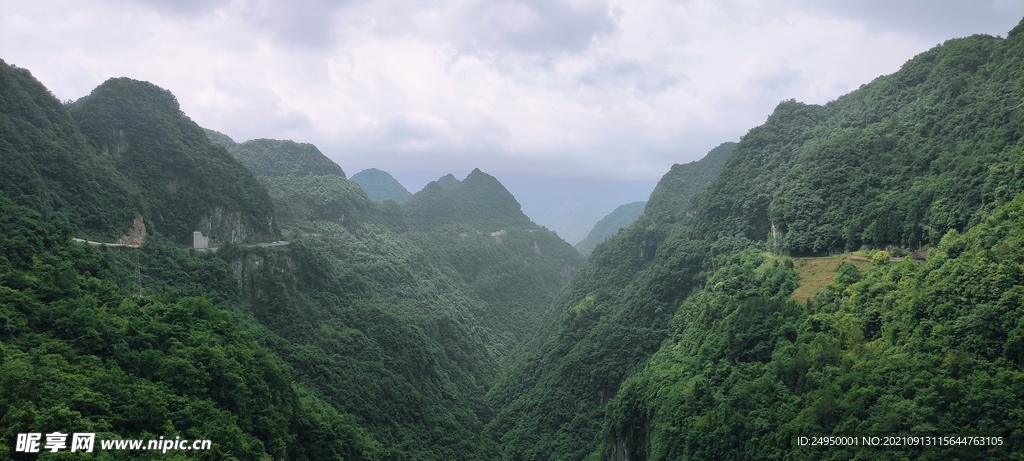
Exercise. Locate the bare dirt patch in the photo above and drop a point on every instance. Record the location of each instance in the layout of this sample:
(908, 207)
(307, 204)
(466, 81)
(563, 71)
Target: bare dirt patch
(817, 273)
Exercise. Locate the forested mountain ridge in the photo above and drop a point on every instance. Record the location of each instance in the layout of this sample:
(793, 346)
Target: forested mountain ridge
(48, 165)
(86, 345)
(274, 157)
(146, 342)
(478, 228)
(672, 197)
(905, 349)
(186, 182)
(897, 162)
(903, 161)
(409, 319)
(449, 328)
(305, 185)
(384, 350)
(479, 200)
(607, 321)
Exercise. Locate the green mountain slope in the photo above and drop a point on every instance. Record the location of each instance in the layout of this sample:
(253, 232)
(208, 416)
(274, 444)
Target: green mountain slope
(672, 198)
(305, 185)
(901, 161)
(89, 346)
(904, 349)
(897, 162)
(274, 158)
(380, 186)
(609, 319)
(137, 343)
(478, 201)
(187, 183)
(477, 227)
(620, 217)
(46, 164)
(375, 318)
(219, 138)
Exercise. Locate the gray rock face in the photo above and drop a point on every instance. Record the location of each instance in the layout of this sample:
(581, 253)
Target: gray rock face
(222, 227)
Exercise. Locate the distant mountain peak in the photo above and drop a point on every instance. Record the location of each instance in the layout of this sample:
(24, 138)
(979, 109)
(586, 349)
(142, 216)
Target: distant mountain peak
(479, 199)
(379, 185)
(448, 181)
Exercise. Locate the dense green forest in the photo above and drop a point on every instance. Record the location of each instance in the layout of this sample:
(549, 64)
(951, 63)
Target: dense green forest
(187, 183)
(684, 309)
(451, 326)
(478, 228)
(85, 346)
(48, 165)
(399, 316)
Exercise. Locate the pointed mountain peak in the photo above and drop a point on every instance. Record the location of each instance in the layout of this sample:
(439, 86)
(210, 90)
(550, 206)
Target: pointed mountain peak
(448, 181)
(479, 200)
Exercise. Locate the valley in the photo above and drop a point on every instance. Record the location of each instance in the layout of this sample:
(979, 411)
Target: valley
(846, 269)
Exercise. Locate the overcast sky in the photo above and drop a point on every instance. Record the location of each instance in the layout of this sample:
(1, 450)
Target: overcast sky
(602, 89)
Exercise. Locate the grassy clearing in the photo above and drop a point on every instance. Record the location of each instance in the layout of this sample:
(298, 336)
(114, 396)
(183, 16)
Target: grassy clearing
(817, 273)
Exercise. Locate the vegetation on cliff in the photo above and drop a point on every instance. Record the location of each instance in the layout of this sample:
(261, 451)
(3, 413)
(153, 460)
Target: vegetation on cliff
(184, 179)
(912, 159)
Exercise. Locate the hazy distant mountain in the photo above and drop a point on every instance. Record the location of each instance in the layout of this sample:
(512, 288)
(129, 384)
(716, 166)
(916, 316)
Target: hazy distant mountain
(623, 216)
(306, 186)
(480, 201)
(571, 206)
(380, 185)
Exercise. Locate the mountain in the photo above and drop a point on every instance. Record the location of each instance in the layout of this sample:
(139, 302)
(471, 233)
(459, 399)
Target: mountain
(305, 185)
(673, 197)
(671, 200)
(621, 217)
(477, 227)
(454, 327)
(219, 138)
(410, 319)
(276, 158)
(678, 339)
(127, 342)
(380, 186)
(571, 206)
(186, 182)
(479, 200)
(448, 181)
(48, 165)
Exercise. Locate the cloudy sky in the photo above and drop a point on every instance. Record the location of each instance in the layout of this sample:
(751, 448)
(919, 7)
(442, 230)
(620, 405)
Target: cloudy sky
(601, 90)
(604, 89)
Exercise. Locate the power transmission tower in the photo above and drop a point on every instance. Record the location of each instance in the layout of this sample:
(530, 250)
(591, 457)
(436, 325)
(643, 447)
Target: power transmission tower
(137, 289)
